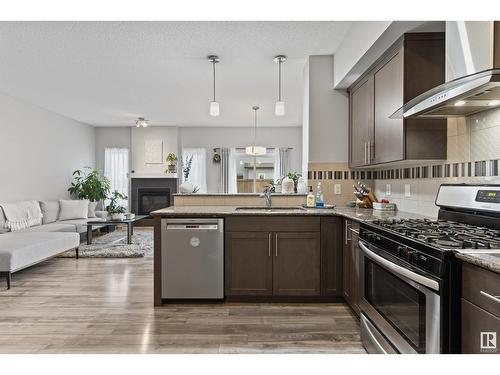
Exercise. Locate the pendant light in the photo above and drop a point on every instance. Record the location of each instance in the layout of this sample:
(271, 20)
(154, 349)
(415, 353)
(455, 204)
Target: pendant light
(141, 122)
(279, 109)
(214, 105)
(255, 150)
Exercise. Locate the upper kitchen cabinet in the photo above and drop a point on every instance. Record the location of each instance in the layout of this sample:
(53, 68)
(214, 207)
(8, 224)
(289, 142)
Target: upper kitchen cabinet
(377, 135)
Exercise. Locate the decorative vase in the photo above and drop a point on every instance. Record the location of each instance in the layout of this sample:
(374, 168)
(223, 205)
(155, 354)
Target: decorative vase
(118, 216)
(287, 186)
(186, 187)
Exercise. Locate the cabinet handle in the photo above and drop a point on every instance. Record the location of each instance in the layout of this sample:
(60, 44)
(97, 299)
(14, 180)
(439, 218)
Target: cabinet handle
(347, 228)
(276, 244)
(269, 245)
(489, 296)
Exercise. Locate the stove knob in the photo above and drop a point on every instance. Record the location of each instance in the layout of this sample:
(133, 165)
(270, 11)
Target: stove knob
(410, 255)
(401, 250)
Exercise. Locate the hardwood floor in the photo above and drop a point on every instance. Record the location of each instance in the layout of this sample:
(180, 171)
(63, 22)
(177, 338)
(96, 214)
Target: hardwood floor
(106, 306)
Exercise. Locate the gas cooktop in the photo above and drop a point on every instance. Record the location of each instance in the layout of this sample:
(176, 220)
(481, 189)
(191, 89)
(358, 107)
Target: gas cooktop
(445, 234)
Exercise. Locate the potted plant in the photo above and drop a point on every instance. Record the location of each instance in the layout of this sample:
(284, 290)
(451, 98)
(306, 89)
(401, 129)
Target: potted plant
(171, 163)
(116, 211)
(294, 176)
(89, 184)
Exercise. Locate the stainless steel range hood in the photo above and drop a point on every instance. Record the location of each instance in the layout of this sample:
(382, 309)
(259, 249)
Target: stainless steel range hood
(464, 96)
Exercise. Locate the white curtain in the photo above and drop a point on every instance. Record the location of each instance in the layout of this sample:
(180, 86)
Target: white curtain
(198, 174)
(232, 184)
(116, 170)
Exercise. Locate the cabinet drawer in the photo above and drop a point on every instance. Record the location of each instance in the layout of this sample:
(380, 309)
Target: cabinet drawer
(481, 287)
(478, 326)
(272, 224)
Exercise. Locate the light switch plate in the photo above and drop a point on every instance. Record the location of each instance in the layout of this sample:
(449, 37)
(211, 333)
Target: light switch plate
(388, 191)
(336, 189)
(407, 190)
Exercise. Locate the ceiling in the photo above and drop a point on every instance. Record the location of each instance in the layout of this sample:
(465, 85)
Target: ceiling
(109, 73)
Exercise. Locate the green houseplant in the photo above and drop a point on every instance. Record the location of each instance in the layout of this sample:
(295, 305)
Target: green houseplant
(294, 176)
(90, 184)
(116, 211)
(171, 163)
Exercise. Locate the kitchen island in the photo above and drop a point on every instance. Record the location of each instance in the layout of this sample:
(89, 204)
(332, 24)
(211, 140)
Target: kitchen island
(278, 254)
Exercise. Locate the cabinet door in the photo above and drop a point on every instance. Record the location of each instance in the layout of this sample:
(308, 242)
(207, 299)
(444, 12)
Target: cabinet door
(361, 122)
(346, 262)
(248, 263)
(389, 133)
(331, 256)
(355, 271)
(480, 330)
(296, 265)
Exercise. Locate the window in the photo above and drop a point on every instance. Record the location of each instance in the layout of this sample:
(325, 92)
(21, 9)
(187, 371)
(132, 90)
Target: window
(198, 173)
(116, 170)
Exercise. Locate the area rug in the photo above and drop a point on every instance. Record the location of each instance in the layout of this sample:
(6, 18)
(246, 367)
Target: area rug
(103, 246)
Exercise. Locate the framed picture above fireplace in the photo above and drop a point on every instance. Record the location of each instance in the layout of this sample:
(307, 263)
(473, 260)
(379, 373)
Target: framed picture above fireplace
(153, 152)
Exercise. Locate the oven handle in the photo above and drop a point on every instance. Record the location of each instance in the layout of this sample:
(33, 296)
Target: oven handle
(432, 284)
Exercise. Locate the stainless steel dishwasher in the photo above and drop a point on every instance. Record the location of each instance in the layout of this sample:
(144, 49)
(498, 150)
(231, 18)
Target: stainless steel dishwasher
(192, 258)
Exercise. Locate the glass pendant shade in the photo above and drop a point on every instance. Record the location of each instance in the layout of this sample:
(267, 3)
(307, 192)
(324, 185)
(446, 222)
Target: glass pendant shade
(255, 150)
(279, 109)
(214, 109)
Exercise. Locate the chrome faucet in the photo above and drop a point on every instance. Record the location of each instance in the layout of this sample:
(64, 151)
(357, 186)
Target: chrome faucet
(267, 195)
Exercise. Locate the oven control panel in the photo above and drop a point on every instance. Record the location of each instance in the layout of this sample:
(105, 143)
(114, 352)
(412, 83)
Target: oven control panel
(401, 251)
(488, 196)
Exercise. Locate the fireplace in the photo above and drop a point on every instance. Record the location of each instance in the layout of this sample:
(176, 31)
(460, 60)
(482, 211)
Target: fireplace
(150, 194)
(151, 199)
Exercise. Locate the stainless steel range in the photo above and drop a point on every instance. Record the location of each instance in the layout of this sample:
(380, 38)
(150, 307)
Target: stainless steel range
(410, 280)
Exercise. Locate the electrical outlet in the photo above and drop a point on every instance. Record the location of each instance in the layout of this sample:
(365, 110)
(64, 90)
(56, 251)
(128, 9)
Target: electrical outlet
(407, 190)
(336, 189)
(388, 189)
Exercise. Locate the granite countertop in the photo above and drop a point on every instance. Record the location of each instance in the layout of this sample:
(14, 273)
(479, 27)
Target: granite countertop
(359, 214)
(236, 195)
(490, 262)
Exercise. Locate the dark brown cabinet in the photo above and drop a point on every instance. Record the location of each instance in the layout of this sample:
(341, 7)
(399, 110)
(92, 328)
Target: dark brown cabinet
(480, 310)
(248, 263)
(296, 265)
(377, 132)
(350, 265)
(361, 121)
(283, 256)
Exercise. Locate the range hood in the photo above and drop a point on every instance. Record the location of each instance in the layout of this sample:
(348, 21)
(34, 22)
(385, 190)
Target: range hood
(464, 96)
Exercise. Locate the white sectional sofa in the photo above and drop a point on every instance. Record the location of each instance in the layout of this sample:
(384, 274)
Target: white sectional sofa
(23, 248)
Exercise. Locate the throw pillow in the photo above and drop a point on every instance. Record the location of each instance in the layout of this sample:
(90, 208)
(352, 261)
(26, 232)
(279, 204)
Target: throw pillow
(73, 209)
(50, 211)
(92, 207)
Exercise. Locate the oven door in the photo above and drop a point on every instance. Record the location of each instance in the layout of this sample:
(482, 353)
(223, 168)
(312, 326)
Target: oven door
(402, 305)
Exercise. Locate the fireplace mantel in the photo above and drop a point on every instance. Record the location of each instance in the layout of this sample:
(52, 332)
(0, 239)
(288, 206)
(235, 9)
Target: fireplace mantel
(145, 175)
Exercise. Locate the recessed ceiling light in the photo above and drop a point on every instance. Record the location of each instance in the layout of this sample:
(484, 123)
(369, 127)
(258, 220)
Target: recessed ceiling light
(460, 103)
(494, 102)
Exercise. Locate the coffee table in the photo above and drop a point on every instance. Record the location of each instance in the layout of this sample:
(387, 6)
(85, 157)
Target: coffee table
(108, 222)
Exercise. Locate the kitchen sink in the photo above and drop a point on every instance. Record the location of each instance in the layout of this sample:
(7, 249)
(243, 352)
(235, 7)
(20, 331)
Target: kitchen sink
(271, 209)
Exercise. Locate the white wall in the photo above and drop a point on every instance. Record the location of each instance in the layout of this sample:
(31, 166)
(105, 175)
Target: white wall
(111, 137)
(169, 136)
(212, 137)
(327, 112)
(40, 150)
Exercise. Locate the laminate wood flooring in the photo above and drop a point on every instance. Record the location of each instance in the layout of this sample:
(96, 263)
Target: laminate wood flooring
(106, 306)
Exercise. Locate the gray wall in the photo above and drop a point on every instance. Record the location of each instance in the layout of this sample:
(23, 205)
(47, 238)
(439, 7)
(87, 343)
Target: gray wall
(40, 150)
(213, 137)
(327, 113)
